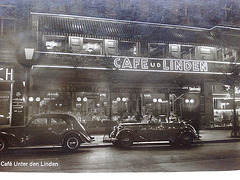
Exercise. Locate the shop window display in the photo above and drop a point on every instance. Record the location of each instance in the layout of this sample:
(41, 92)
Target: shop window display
(125, 106)
(223, 105)
(155, 106)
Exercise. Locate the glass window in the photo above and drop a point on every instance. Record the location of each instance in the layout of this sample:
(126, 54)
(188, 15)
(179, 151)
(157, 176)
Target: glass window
(58, 121)
(92, 106)
(125, 106)
(174, 50)
(226, 54)
(54, 43)
(92, 46)
(127, 48)
(38, 122)
(4, 108)
(207, 53)
(75, 43)
(187, 52)
(110, 47)
(157, 50)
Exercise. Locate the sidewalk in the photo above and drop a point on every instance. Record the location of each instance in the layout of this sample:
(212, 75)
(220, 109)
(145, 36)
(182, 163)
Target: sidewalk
(207, 136)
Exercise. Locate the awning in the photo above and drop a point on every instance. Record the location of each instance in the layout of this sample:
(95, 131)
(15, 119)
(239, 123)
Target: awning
(122, 30)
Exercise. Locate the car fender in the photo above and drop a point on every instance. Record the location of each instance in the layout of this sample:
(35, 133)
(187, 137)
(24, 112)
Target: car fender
(10, 138)
(186, 131)
(83, 138)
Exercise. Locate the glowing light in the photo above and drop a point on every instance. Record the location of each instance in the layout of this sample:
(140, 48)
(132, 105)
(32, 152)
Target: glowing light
(31, 99)
(85, 99)
(155, 100)
(79, 99)
(38, 99)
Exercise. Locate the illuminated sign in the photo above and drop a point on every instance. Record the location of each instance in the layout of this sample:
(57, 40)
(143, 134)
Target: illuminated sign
(6, 74)
(140, 64)
(161, 64)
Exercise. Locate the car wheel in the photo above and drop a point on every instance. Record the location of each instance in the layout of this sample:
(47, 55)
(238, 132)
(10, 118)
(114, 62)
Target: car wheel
(3, 145)
(125, 140)
(71, 143)
(186, 139)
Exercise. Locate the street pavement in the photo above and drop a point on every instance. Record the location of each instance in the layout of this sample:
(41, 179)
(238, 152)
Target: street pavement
(207, 136)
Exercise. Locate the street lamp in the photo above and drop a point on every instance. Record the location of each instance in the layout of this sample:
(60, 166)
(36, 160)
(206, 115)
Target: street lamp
(28, 52)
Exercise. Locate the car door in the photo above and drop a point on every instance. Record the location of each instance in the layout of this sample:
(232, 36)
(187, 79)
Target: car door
(153, 131)
(58, 126)
(36, 132)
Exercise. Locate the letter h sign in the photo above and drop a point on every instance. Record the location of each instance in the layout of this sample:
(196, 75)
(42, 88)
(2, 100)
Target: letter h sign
(9, 74)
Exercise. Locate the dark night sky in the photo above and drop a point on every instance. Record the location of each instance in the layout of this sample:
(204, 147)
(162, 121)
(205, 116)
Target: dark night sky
(200, 13)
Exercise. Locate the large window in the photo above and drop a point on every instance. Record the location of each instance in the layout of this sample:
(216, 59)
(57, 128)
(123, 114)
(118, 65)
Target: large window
(223, 105)
(159, 50)
(92, 46)
(207, 53)
(187, 52)
(4, 108)
(54, 43)
(127, 48)
(226, 54)
(7, 19)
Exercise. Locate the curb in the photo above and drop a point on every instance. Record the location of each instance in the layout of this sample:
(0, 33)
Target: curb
(109, 144)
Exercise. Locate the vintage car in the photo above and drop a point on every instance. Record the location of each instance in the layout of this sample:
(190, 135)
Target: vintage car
(177, 133)
(46, 129)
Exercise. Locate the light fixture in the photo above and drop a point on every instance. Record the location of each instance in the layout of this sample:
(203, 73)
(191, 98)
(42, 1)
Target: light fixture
(38, 99)
(31, 99)
(79, 99)
(160, 100)
(29, 53)
(85, 99)
(187, 101)
(154, 99)
(124, 99)
(118, 99)
(192, 101)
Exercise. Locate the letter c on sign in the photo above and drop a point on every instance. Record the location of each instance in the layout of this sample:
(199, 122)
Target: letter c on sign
(116, 60)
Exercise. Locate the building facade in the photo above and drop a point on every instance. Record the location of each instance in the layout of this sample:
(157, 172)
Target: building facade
(104, 71)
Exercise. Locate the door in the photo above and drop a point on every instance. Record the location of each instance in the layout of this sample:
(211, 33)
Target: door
(153, 131)
(36, 132)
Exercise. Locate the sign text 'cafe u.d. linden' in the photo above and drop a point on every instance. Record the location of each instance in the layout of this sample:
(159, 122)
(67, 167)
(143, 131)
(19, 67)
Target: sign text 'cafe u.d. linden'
(161, 64)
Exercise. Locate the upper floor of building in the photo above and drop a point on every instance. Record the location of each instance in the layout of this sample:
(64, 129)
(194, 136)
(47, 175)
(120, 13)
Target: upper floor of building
(109, 37)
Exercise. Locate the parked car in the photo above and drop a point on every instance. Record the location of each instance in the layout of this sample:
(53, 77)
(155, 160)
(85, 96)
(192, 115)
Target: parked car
(176, 133)
(46, 129)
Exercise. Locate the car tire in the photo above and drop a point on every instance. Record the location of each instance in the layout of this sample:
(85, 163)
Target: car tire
(71, 143)
(186, 139)
(115, 143)
(125, 140)
(3, 145)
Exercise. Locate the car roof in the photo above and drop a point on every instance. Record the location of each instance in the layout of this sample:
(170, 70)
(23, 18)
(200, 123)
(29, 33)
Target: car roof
(52, 115)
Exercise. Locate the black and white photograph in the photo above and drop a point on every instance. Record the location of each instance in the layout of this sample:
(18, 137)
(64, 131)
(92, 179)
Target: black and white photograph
(119, 86)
